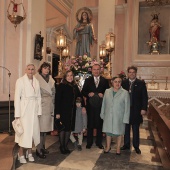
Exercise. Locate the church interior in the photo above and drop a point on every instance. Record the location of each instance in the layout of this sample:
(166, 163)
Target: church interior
(125, 33)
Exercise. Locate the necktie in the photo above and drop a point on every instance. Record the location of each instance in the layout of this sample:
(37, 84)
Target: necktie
(130, 86)
(130, 91)
(97, 82)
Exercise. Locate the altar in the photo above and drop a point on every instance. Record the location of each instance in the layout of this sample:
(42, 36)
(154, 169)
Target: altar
(159, 94)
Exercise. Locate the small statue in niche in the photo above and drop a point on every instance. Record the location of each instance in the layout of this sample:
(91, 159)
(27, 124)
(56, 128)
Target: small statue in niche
(154, 43)
(155, 27)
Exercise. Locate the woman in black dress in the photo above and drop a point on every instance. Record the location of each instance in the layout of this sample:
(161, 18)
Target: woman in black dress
(65, 108)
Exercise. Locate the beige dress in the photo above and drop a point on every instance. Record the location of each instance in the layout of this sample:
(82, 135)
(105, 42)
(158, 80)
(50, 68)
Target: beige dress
(47, 101)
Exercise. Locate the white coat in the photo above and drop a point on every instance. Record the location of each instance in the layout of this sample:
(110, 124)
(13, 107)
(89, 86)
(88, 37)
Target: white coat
(47, 102)
(27, 104)
(115, 111)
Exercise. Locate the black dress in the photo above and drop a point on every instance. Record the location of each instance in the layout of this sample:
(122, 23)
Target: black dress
(65, 104)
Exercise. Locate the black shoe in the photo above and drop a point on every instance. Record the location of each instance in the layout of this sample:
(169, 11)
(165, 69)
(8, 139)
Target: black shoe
(107, 151)
(62, 150)
(40, 154)
(100, 146)
(118, 154)
(138, 151)
(88, 146)
(125, 148)
(79, 148)
(44, 151)
(67, 150)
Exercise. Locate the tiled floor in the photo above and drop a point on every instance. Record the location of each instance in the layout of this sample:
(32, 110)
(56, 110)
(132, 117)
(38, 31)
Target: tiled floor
(92, 159)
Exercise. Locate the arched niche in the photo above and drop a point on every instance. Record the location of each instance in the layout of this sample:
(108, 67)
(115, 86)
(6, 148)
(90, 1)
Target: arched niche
(51, 37)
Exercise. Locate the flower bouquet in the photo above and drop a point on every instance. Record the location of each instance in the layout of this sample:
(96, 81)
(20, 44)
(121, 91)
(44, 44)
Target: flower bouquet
(122, 75)
(80, 65)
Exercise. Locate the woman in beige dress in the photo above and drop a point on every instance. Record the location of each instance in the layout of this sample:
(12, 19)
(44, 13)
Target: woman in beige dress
(47, 87)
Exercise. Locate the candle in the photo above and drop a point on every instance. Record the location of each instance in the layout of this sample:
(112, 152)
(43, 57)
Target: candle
(61, 41)
(15, 7)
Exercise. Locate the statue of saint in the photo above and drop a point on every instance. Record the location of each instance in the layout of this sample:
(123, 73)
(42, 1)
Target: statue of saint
(84, 32)
(155, 27)
(154, 43)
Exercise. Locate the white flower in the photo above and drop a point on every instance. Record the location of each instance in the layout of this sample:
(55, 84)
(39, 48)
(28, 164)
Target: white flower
(87, 65)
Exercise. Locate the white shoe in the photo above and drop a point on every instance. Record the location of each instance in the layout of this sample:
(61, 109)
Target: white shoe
(29, 156)
(22, 159)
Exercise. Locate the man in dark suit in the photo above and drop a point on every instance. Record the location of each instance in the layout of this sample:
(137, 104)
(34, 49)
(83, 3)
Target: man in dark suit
(138, 107)
(93, 90)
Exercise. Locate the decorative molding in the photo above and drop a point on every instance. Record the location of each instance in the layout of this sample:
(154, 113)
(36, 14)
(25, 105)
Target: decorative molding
(141, 63)
(120, 9)
(67, 4)
(145, 59)
(57, 8)
(52, 18)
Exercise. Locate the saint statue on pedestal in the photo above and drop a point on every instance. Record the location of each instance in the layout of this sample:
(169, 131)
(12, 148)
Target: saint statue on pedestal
(84, 32)
(154, 43)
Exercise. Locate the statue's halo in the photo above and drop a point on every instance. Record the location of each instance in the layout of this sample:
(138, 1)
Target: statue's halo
(84, 9)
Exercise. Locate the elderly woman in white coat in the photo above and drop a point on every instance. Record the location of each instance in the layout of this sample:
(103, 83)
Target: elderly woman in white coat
(27, 104)
(115, 113)
(47, 87)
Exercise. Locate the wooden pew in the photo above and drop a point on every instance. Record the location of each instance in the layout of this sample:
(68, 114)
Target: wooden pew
(160, 127)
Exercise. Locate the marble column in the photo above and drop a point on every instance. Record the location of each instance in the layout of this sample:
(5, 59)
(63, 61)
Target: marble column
(106, 22)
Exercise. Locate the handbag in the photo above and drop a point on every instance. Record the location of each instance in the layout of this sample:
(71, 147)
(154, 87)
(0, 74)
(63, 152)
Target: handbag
(18, 128)
(95, 101)
(58, 125)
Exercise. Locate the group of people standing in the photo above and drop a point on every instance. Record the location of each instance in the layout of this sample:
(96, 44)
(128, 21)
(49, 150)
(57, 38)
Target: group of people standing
(110, 110)
(34, 107)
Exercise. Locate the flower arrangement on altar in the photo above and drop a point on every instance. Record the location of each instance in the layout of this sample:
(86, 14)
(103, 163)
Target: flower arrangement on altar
(122, 75)
(81, 64)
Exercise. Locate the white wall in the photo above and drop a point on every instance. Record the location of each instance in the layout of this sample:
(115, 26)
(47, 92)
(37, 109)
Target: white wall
(17, 46)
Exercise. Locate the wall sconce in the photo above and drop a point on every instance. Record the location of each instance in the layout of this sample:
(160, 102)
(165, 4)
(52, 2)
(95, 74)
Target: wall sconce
(61, 45)
(38, 47)
(65, 52)
(14, 18)
(102, 55)
(102, 50)
(110, 45)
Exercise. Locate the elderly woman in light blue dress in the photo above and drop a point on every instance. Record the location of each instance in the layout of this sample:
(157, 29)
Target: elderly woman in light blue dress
(115, 113)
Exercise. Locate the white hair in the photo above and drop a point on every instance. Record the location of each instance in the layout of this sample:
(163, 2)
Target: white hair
(30, 64)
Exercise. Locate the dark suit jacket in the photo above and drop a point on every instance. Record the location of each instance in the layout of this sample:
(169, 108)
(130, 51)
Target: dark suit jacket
(139, 100)
(93, 113)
